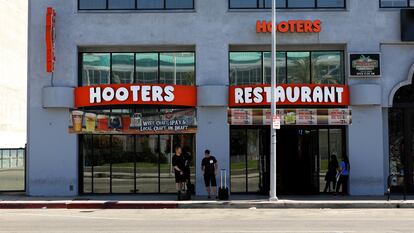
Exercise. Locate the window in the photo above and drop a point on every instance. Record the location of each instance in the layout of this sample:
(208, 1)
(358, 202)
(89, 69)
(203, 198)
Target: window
(281, 4)
(96, 68)
(135, 4)
(177, 68)
(317, 67)
(396, 3)
(245, 68)
(116, 68)
(122, 68)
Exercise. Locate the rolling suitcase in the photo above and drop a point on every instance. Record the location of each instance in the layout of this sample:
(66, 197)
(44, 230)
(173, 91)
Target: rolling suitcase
(223, 192)
(184, 195)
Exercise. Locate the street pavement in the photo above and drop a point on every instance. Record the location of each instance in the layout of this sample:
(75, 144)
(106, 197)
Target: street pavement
(210, 220)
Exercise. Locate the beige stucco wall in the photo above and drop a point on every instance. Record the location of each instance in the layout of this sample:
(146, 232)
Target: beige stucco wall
(13, 72)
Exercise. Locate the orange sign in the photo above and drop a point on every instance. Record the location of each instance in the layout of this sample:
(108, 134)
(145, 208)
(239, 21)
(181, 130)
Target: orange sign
(289, 94)
(50, 39)
(136, 94)
(299, 26)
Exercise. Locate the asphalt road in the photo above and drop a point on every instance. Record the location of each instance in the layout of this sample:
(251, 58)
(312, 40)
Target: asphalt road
(212, 220)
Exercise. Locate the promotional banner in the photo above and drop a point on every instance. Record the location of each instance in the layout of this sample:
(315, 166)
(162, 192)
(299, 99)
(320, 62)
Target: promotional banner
(164, 122)
(289, 94)
(290, 116)
(136, 94)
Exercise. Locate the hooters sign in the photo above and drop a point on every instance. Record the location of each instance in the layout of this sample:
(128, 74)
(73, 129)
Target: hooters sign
(50, 39)
(136, 94)
(289, 94)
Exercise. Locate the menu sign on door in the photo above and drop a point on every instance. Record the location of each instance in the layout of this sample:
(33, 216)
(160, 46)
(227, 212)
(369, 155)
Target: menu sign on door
(365, 65)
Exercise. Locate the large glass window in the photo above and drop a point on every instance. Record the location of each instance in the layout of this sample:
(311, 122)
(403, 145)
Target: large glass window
(245, 68)
(298, 68)
(122, 68)
(177, 68)
(260, 4)
(92, 4)
(135, 4)
(147, 67)
(301, 3)
(179, 4)
(396, 3)
(327, 67)
(130, 163)
(96, 68)
(151, 68)
(121, 4)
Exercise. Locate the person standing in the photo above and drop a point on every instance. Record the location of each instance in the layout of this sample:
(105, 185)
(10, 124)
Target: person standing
(209, 167)
(330, 176)
(343, 176)
(178, 162)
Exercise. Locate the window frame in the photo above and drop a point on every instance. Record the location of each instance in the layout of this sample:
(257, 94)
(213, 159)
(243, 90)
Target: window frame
(164, 8)
(286, 4)
(81, 63)
(395, 7)
(341, 52)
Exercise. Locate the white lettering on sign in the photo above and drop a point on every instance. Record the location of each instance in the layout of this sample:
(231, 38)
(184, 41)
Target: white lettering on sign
(143, 93)
(290, 94)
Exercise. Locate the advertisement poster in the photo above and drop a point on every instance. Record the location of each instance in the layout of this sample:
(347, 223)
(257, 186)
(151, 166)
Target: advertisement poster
(163, 122)
(365, 64)
(306, 117)
(241, 117)
(337, 116)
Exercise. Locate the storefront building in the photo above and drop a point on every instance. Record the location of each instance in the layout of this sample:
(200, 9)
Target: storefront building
(123, 82)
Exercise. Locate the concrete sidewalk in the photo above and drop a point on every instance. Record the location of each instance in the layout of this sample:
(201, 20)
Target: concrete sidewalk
(20, 201)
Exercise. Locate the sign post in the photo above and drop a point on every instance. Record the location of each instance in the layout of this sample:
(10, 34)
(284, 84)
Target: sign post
(273, 196)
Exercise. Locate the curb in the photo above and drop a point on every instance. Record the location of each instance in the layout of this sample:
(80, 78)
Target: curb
(87, 205)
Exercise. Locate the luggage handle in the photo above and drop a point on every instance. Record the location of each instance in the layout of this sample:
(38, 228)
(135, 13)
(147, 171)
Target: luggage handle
(223, 171)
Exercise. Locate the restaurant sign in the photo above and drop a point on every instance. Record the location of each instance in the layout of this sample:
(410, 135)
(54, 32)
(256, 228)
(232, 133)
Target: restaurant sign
(164, 122)
(133, 94)
(292, 26)
(335, 116)
(365, 64)
(289, 94)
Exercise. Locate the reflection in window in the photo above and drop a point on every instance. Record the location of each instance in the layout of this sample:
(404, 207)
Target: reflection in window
(122, 68)
(95, 69)
(92, 4)
(245, 68)
(121, 4)
(179, 4)
(123, 159)
(177, 68)
(301, 3)
(331, 3)
(147, 163)
(150, 4)
(102, 163)
(147, 68)
(87, 163)
(243, 4)
(298, 67)
(280, 67)
(327, 68)
(396, 3)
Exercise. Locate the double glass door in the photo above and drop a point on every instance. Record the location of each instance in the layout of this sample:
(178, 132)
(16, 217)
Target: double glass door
(302, 158)
(130, 163)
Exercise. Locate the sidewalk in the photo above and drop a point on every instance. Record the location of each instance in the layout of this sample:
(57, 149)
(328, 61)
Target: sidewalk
(20, 201)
